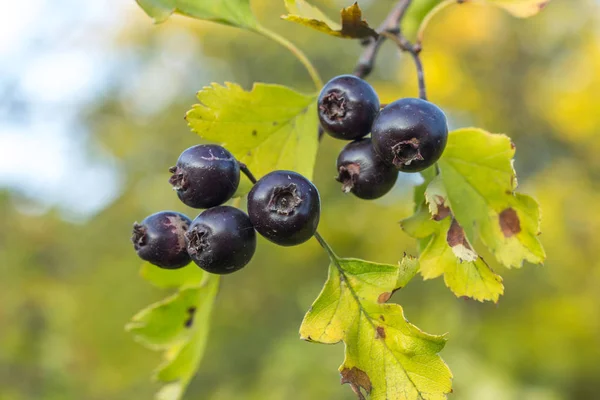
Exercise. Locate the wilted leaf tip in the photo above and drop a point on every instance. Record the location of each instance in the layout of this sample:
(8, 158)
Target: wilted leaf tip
(357, 379)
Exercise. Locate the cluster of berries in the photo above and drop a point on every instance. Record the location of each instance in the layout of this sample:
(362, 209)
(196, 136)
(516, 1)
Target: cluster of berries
(407, 135)
(283, 206)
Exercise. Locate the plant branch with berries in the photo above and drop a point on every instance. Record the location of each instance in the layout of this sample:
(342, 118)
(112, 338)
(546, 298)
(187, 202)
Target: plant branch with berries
(468, 201)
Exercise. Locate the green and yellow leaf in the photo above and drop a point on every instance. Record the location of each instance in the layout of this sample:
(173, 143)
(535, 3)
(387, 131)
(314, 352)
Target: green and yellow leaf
(229, 12)
(473, 198)
(352, 27)
(178, 326)
(521, 8)
(386, 356)
(268, 128)
(477, 175)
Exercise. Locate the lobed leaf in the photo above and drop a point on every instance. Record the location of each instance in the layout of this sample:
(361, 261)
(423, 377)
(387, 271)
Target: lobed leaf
(229, 12)
(386, 356)
(476, 173)
(352, 27)
(473, 198)
(178, 326)
(269, 128)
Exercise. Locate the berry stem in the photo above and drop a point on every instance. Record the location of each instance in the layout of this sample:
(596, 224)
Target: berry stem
(295, 51)
(325, 246)
(246, 171)
(433, 12)
(414, 50)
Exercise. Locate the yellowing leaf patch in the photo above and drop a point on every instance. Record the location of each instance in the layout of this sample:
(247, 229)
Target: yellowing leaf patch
(352, 27)
(521, 8)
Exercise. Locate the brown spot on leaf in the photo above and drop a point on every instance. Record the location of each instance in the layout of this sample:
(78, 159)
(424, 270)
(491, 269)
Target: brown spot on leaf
(254, 133)
(380, 333)
(509, 222)
(357, 379)
(190, 320)
(381, 317)
(442, 210)
(384, 297)
(456, 236)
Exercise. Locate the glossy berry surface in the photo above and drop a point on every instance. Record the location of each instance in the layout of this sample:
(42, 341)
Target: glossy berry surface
(410, 134)
(285, 208)
(160, 239)
(221, 240)
(347, 106)
(362, 172)
(205, 176)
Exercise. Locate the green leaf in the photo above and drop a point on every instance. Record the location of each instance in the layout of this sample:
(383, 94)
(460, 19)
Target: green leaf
(269, 128)
(178, 326)
(521, 8)
(229, 12)
(476, 173)
(386, 356)
(473, 198)
(352, 27)
(190, 275)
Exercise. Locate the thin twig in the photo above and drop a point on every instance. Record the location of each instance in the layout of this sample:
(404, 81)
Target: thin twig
(414, 50)
(391, 24)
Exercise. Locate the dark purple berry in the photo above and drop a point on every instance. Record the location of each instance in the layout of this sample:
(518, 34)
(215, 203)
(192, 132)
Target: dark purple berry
(284, 207)
(221, 240)
(348, 106)
(160, 239)
(362, 172)
(410, 134)
(205, 176)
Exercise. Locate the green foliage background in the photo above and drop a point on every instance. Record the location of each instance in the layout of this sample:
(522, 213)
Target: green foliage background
(66, 290)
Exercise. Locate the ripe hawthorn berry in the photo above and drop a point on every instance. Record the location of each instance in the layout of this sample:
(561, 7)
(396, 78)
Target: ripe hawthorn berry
(206, 175)
(347, 107)
(362, 172)
(285, 208)
(221, 240)
(410, 134)
(160, 239)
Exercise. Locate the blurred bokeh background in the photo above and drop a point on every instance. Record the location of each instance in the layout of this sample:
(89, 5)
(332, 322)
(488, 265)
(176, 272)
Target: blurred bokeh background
(92, 96)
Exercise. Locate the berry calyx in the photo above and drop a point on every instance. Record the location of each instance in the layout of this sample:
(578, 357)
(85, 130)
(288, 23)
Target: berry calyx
(410, 134)
(347, 107)
(285, 208)
(160, 239)
(221, 240)
(362, 172)
(205, 176)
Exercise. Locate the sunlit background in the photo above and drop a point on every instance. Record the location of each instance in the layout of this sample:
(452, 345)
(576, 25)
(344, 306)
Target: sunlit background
(92, 96)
